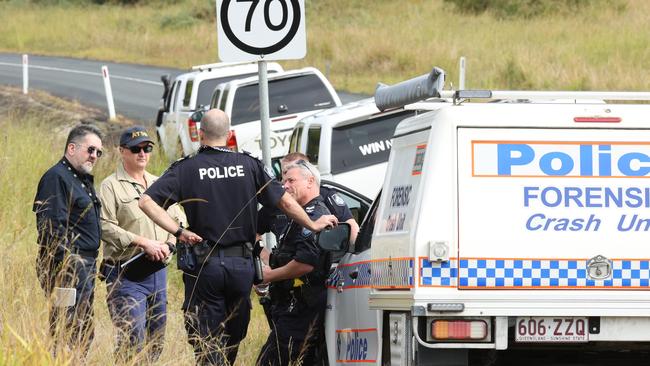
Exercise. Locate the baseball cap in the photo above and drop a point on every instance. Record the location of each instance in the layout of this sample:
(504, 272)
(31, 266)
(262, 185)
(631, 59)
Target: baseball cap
(134, 136)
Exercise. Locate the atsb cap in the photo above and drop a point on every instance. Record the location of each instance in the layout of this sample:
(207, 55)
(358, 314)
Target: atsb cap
(134, 135)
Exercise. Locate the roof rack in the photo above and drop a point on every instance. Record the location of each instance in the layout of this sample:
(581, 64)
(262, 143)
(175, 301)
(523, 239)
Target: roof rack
(431, 86)
(218, 65)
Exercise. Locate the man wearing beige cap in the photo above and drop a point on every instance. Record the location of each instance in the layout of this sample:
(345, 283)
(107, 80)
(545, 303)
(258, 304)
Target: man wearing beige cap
(137, 292)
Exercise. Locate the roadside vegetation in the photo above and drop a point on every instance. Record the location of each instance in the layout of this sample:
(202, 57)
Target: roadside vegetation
(33, 131)
(514, 44)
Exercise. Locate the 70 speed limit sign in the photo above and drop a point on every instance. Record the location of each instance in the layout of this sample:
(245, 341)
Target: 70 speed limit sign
(254, 30)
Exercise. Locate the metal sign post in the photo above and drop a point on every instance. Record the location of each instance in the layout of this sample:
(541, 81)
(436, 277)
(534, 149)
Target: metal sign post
(252, 30)
(265, 129)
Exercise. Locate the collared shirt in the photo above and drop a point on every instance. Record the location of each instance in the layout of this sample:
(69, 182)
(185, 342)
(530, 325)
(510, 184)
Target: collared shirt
(122, 219)
(67, 209)
(272, 219)
(219, 190)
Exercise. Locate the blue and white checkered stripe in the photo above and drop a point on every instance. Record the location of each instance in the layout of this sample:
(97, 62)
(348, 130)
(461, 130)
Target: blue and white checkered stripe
(561, 273)
(392, 273)
(443, 274)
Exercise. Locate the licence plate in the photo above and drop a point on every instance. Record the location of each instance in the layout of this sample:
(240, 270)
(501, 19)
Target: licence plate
(551, 329)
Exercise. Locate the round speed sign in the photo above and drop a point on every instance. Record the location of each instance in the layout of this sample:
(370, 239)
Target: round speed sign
(253, 30)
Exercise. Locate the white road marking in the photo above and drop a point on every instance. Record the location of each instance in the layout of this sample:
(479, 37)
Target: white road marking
(99, 74)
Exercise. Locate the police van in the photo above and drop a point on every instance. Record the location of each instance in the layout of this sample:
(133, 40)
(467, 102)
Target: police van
(293, 95)
(350, 144)
(501, 226)
(189, 92)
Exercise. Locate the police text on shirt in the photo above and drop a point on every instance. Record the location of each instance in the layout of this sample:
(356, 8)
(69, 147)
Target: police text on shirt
(222, 172)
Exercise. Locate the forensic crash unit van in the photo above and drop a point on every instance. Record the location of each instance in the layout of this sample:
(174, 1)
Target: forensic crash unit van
(503, 226)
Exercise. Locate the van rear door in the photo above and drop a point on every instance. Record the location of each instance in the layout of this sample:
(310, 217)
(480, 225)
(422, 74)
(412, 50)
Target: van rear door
(563, 209)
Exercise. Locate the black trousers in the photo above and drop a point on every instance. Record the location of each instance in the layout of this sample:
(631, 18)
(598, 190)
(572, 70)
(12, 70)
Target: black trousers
(72, 326)
(217, 308)
(296, 333)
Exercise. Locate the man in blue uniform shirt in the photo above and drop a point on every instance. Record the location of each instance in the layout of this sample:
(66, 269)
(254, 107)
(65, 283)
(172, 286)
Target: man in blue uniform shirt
(67, 218)
(219, 190)
(297, 275)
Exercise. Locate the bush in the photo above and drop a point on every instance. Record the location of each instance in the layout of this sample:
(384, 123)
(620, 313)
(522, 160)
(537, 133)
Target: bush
(529, 8)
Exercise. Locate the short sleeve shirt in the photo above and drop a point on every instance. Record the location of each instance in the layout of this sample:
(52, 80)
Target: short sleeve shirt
(219, 190)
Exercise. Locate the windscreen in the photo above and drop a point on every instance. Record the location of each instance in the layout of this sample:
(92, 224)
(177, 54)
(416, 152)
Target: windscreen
(286, 96)
(364, 144)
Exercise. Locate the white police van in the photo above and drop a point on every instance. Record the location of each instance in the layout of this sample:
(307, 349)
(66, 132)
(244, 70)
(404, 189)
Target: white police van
(293, 95)
(501, 226)
(350, 144)
(189, 92)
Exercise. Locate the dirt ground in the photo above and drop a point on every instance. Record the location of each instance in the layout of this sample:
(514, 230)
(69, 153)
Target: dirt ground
(63, 114)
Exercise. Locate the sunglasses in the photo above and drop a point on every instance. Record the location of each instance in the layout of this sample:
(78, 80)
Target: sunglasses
(93, 149)
(137, 149)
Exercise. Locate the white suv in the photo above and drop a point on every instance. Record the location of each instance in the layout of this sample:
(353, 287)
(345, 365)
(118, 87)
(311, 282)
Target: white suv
(293, 95)
(192, 91)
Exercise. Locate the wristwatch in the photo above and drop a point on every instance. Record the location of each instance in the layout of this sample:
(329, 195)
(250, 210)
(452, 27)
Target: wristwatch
(178, 232)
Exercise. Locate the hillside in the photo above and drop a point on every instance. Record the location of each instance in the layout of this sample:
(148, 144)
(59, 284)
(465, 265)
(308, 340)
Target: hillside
(358, 43)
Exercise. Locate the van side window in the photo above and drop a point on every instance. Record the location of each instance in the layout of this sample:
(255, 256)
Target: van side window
(295, 137)
(286, 96)
(313, 143)
(363, 241)
(364, 144)
(224, 99)
(171, 97)
(215, 98)
(207, 87)
(188, 93)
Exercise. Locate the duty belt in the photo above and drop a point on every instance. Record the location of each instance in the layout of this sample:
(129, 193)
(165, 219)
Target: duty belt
(236, 250)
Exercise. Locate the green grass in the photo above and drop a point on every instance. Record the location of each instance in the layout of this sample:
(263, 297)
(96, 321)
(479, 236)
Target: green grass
(362, 42)
(32, 140)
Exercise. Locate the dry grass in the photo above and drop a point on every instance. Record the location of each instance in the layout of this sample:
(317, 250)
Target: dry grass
(362, 42)
(31, 140)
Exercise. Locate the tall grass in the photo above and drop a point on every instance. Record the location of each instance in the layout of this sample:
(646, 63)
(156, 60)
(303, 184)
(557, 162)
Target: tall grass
(32, 140)
(362, 42)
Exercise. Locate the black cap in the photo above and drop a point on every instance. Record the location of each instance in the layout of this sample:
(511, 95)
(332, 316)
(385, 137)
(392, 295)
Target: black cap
(134, 136)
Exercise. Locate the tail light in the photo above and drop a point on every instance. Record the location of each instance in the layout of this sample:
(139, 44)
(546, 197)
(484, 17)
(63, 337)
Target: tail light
(232, 141)
(459, 329)
(191, 127)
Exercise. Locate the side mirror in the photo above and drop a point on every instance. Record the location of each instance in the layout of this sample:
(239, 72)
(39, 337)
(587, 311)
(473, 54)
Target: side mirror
(197, 116)
(335, 239)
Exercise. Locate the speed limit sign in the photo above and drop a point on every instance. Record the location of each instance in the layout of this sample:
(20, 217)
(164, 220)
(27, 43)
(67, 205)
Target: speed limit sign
(254, 30)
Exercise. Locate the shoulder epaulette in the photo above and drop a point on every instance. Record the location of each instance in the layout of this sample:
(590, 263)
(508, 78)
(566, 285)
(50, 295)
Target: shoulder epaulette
(179, 161)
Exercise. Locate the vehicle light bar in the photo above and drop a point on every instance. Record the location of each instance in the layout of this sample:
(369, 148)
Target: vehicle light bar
(597, 119)
(459, 329)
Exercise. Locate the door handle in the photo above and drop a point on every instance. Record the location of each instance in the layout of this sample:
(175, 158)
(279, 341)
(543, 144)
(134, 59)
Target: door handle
(354, 274)
(339, 286)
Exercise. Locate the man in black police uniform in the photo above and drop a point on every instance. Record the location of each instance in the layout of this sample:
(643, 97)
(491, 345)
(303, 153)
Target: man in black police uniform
(297, 275)
(219, 190)
(275, 221)
(67, 218)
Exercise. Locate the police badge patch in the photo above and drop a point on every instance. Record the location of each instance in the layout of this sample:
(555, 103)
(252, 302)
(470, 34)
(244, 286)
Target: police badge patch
(269, 172)
(306, 232)
(337, 199)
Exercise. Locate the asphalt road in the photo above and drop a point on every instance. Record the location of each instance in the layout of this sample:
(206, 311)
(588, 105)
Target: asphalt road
(136, 88)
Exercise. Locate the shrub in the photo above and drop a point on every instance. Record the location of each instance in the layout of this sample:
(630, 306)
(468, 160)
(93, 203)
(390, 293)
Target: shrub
(530, 8)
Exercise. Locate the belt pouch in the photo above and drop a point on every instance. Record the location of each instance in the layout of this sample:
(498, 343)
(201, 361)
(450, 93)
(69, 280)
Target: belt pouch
(202, 252)
(185, 259)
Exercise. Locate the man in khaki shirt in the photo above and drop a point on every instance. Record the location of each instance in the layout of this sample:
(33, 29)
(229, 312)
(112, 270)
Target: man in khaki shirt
(136, 303)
